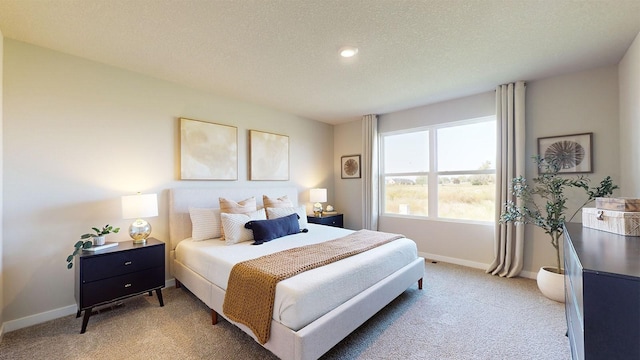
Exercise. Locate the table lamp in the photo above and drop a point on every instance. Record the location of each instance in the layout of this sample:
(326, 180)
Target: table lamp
(318, 196)
(137, 207)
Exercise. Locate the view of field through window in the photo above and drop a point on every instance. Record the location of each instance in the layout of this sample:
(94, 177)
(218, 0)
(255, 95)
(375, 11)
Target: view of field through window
(467, 194)
(459, 197)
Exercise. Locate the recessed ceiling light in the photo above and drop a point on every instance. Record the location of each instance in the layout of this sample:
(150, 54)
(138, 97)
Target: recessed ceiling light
(348, 51)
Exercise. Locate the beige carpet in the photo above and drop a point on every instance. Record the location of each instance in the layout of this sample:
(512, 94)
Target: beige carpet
(461, 313)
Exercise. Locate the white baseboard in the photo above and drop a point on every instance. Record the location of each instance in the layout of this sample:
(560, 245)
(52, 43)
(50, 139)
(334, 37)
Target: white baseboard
(39, 318)
(528, 274)
(471, 264)
(456, 261)
(42, 317)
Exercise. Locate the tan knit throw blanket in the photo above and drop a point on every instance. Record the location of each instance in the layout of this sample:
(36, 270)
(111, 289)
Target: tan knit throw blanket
(252, 284)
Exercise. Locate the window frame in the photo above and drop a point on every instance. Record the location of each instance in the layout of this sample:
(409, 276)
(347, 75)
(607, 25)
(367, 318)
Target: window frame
(432, 174)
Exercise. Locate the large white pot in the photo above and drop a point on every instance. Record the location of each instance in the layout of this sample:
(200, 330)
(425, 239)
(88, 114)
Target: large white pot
(551, 284)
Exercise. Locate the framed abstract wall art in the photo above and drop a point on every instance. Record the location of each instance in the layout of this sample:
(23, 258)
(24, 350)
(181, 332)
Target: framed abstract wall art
(350, 165)
(269, 154)
(208, 151)
(573, 153)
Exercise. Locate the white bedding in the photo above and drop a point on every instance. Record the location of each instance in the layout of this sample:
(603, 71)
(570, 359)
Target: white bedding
(305, 297)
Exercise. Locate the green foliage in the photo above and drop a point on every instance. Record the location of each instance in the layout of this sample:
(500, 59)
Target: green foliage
(548, 188)
(107, 229)
(81, 244)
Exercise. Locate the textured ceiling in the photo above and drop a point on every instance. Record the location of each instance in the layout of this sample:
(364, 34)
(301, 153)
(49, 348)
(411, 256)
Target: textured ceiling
(283, 53)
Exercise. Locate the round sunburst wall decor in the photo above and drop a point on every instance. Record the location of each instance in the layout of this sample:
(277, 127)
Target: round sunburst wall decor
(350, 167)
(567, 154)
(570, 153)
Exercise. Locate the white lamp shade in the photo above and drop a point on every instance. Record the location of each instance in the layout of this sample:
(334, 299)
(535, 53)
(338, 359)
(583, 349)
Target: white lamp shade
(139, 206)
(318, 195)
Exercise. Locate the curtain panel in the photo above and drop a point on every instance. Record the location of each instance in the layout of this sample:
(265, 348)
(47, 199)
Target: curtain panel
(370, 174)
(510, 121)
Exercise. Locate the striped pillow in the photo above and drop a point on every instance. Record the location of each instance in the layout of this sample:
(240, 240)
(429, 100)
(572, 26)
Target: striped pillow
(205, 223)
(234, 229)
(275, 213)
(276, 203)
(232, 207)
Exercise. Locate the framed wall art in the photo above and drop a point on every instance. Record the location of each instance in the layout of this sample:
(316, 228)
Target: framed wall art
(350, 165)
(573, 153)
(208, 151)
(269, 155)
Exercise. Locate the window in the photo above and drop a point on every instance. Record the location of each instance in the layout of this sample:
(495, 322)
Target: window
(455, 163)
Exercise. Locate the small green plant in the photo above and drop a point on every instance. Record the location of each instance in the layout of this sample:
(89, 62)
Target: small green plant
(106, 230)
(85, 244)
(548, 188)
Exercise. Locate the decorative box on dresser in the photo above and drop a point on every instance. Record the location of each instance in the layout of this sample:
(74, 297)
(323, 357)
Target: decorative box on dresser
(602, 293)
(116, 273)
(336, 220)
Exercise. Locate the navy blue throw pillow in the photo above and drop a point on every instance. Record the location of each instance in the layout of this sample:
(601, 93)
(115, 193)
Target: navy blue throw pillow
(267, 230)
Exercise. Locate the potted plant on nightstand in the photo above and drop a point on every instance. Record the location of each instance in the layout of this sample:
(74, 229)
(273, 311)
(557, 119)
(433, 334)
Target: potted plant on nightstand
(96, 239)
(548, 188)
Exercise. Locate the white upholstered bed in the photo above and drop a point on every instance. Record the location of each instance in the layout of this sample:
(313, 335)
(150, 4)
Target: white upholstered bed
(360, 285)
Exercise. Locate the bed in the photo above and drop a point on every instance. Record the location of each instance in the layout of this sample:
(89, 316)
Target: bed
(303, 325)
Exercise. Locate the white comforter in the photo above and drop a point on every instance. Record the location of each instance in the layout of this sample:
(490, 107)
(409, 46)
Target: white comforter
(305, 297)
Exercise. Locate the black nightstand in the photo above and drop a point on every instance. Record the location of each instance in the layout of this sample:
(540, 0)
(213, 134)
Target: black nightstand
(116, 273)
(331, 220)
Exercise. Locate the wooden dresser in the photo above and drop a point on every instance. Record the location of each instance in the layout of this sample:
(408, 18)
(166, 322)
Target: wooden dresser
(116, 273)
(602, 291)
(336, 220)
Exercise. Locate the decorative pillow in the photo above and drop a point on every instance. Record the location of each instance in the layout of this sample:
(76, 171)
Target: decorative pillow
(274, 213)
(232, 207)
(205, 223)
(276, 203)
(267, 230)
(233, 225)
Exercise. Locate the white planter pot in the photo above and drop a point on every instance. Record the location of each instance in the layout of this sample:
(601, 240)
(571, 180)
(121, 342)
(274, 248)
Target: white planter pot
(551, 284)
(99, 240)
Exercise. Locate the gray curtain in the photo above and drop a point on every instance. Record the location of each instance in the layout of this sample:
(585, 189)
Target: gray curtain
(509, 238)
(369, 168)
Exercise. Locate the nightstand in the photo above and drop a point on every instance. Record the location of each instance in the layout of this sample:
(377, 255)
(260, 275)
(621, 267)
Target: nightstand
(116, 273)
(331, 220)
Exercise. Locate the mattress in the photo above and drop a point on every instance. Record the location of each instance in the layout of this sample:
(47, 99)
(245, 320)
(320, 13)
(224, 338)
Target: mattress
(305, 297)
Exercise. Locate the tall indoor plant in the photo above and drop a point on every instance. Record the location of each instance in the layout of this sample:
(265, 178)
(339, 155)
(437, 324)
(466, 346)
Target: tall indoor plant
(543, 204)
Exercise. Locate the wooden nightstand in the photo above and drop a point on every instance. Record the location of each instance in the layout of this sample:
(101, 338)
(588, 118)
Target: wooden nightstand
(336, 220)
(116, 273)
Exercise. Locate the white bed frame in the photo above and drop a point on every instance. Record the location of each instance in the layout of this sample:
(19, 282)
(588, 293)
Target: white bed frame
(313, 340)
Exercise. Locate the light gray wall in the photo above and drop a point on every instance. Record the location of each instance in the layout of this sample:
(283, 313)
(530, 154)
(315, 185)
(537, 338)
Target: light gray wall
(469, 107)
(348, 192)
(629, 83)
(574, 103)
(462, 243)
(79, 134)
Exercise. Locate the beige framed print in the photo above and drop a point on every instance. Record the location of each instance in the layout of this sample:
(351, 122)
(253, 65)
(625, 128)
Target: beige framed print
(572, 153)
(350, 165)
(269, 155)
(208, 151)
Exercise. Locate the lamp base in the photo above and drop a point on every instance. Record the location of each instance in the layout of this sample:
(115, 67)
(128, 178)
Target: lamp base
(317, 209)
(139, 231)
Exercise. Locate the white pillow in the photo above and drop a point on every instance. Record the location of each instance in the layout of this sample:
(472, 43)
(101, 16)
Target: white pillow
(205, 223)
(275, 203)
(233, 225)
(242, 207)
(274, 213)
